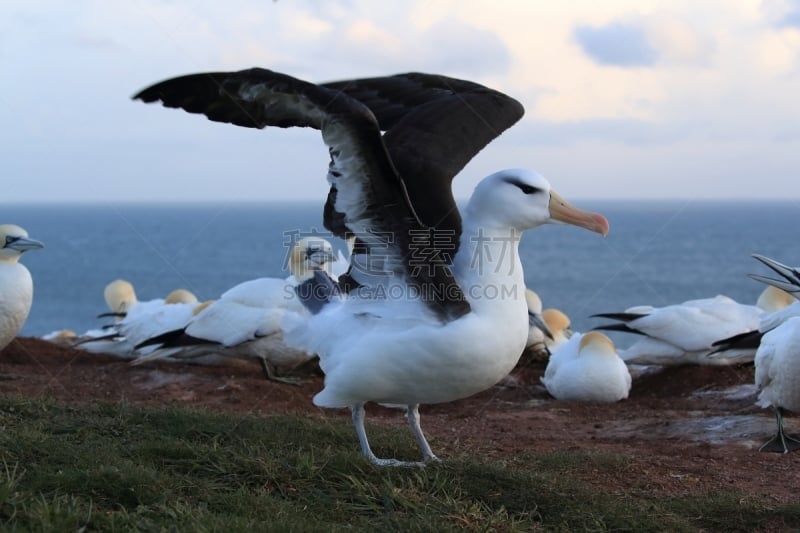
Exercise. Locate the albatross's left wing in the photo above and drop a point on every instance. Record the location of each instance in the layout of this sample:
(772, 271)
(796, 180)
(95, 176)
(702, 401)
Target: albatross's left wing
(371, 193)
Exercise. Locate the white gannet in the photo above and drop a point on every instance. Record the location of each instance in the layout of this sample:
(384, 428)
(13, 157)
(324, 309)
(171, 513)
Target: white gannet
(538, 331)
(559, 325)
(138, 320)
(435, 308)
(748, 342)
(540, 345)
(246, 321)
(779, 299)
(791, 276)
(120, 297)
(685, 333)
(778, 379)
(61, 336)
(587, 368)
(16, 284)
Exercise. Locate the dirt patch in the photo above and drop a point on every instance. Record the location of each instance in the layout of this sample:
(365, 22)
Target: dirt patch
(685, 430)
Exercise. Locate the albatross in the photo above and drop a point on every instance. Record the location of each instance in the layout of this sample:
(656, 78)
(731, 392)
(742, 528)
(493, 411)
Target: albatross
(433, 307)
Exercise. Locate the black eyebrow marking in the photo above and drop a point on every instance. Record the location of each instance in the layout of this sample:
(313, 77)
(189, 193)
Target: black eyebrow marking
(524, 187)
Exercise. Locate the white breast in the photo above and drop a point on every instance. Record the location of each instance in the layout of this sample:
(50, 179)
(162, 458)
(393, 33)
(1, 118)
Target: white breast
(16, 296)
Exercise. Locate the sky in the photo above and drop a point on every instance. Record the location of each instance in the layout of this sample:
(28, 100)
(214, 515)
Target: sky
(623, 98)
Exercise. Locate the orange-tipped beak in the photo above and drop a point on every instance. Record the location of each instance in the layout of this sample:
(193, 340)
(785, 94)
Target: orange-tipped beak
(563, 211)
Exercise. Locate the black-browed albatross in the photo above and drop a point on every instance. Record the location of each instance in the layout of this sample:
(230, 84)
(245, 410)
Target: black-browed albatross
(427, 324)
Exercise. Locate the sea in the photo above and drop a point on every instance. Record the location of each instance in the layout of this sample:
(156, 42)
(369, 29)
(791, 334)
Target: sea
(659, 252)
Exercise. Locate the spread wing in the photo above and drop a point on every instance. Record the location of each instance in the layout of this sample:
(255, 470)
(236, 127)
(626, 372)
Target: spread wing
(370, 193)
(434, 126)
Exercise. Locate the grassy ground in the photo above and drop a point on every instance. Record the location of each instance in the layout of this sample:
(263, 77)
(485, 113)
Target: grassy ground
(113, 467)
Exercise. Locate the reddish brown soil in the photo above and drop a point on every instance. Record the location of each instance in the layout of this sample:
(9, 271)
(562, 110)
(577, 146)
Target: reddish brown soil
(684, 430)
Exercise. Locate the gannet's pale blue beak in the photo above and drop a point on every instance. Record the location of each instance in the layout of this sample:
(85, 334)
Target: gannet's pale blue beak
(23, 244)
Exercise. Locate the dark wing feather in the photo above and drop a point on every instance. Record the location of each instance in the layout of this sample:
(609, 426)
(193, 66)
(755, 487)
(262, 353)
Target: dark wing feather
(623, 317)
(620, 327)
(746, 340)
(434, 126)
(173, 339)
(370, 192)
(218, 96)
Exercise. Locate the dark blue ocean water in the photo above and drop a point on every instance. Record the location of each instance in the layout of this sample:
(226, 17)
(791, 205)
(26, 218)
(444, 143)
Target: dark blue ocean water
(658, 252)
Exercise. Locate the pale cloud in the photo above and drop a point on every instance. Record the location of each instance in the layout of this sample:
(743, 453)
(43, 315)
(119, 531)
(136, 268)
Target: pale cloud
(610, 130)
(678, 41)
(777, 53)
(617, 44)
(645, 42)
(455, 47)
(708, 92)
(782, 13)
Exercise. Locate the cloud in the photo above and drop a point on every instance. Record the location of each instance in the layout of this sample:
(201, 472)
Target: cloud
(678, 41)
(459, 47)
(618, 44)
(783, 13)
(454, 48)
(646, 42)
(791, 19)
(631, 132)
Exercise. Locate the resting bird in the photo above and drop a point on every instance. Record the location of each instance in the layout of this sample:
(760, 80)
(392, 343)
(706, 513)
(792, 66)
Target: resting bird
(246, 322)
(16, 284)
(140, 321)
(120, 297)
(587, 368)
(781, 305)
(538, 332)
(685, 333)
(540, 346)
(778, 380)
(432, 308)
(559, 325)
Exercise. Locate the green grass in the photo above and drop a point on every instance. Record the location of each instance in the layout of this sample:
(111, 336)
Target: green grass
(114, 467)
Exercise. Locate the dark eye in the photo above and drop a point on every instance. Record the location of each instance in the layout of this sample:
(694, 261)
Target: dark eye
(524, 187)
(528, 189)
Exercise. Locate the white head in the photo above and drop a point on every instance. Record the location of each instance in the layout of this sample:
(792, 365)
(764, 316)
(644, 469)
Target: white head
(522, 199)
(120, 296)
(309, 254)
(14, 242)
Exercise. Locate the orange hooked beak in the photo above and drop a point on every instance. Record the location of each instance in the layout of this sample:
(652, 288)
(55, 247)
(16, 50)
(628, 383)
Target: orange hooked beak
(563, 211)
